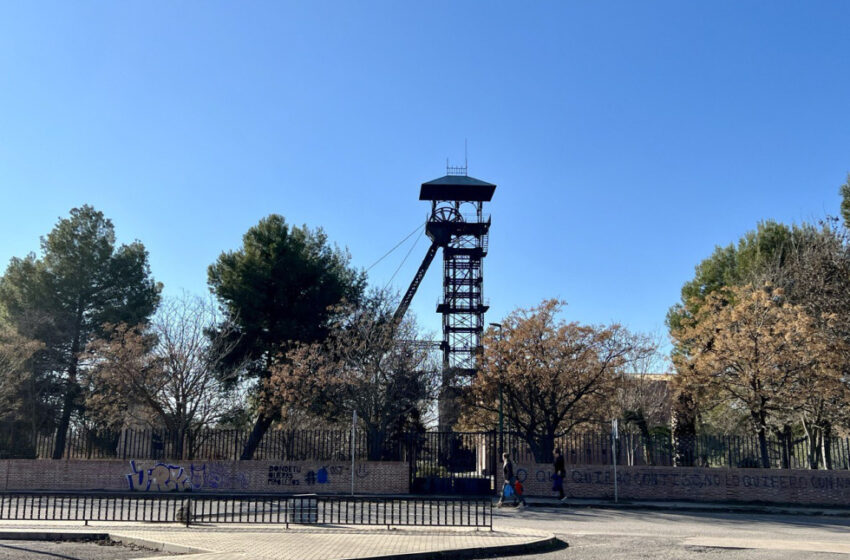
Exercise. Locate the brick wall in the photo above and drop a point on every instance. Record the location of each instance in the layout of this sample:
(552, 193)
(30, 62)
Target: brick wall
(211, 476)
(691, 484)
(648, 483)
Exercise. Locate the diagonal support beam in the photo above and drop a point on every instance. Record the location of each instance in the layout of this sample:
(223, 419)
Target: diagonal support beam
(414, 285)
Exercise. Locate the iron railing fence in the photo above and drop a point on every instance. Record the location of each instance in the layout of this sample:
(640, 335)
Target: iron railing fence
(702, 450)
(215, 445)
(454, 455)
(190, 508)
(460, 463)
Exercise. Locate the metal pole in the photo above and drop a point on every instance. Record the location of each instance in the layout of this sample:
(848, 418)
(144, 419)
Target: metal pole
(501, 422)
(501, 400)
(353, 440)
(614, 435)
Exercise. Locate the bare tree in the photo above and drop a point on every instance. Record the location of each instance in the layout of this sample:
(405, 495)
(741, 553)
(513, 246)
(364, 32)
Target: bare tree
(641, 397)
(370, 364)
(164, 375)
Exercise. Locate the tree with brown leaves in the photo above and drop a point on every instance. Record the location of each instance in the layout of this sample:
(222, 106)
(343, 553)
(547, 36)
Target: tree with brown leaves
(817, 277)
(20, 394)
(369, 363)
(749, 347)
(553, 375)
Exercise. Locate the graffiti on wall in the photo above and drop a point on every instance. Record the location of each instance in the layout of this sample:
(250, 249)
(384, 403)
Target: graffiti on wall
(540, 475)
(295, 475)
(163, 477)
(713, 480)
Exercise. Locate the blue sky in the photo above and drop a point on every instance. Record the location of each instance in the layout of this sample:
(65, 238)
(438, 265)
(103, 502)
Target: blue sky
(627, 139)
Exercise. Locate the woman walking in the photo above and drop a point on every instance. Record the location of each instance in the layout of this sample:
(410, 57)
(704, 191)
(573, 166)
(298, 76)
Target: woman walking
(508, 485)
(558, 476)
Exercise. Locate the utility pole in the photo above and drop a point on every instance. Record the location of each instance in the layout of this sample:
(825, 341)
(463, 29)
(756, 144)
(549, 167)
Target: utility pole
(615, 435)
(501, 412)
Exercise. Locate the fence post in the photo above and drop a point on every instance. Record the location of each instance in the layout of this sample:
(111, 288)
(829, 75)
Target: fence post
(489, 507)
(353, 426)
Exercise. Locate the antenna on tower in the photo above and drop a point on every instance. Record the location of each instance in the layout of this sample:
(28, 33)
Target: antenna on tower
(465, 156)
(458, 169)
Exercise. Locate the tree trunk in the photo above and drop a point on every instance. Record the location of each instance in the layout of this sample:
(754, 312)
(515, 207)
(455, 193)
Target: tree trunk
(177, 445)
(826, 440)
(67, 405)
(684, 429)
(375, 442)
(260, 429)
(73, 388)
(810, 440)
(542, 445)
(643, 427)
(761, 431)
(785, 437)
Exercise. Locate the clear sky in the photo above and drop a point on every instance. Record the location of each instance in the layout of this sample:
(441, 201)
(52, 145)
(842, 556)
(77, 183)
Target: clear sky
(627, 139)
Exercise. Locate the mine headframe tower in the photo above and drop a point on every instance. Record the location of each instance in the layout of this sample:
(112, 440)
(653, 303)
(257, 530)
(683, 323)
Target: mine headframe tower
(458, 225)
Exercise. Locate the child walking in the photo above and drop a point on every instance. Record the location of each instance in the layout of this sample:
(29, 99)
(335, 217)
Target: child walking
(519, 491)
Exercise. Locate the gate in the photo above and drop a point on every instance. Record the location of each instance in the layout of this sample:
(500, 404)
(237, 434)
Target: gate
(452, 463)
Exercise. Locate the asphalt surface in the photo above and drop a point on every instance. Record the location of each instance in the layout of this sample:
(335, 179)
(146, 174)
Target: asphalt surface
(605, 534)
(598, 534)
(51, 550)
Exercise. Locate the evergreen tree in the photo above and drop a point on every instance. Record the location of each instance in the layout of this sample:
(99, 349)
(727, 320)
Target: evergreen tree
(63, 299)
(276, 290)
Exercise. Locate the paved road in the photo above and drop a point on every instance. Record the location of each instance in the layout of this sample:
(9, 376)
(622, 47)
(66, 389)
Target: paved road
(45, 550)
(593, 534)
(274, 542)
(604, 534)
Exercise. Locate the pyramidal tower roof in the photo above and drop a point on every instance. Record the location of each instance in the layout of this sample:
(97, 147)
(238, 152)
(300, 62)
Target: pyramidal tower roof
(457, 187)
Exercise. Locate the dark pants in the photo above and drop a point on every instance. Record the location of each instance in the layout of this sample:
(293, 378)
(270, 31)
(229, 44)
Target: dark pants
(558, 485)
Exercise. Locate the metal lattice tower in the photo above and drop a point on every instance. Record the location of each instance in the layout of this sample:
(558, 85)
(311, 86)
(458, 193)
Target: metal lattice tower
(459, 226)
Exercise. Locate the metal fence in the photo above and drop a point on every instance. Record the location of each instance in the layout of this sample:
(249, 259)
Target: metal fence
(460, 463)
(243, 508)
(217, 445)
(445, 455)
(703, 450)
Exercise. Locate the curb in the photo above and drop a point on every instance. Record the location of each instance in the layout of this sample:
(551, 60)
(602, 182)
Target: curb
(545, 543)
(51, 536)
(548, 543)
(766, 510)
(115, 537)
(161, 546)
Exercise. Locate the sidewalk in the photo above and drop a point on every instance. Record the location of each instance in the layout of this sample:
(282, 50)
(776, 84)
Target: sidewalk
(691, 506)
(265, 542)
